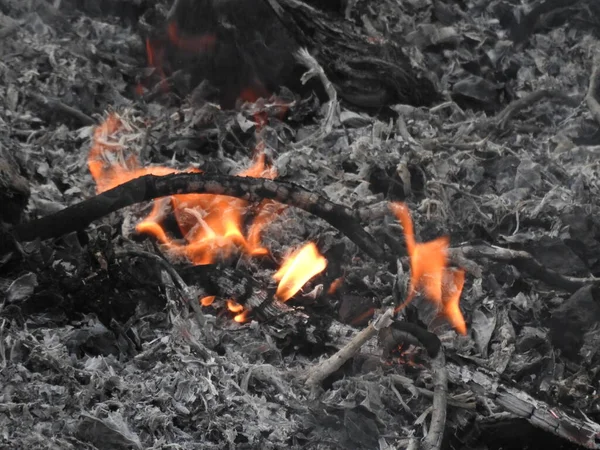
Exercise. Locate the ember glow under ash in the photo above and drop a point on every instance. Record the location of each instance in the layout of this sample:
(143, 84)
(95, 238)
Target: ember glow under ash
(429, 272)
(297, 270)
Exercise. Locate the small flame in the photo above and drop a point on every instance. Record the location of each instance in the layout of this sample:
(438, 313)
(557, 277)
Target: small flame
(242, 317)
(454, 281)
(429, 272)
(234, 306)
(207, 301)
(241, 314)
(297, 270)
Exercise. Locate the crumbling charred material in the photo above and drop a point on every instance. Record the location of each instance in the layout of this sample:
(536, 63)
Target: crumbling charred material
(246, 49)
(239, 47)
(14, 188)
(229, 283)
(149, 187)
(366, 74)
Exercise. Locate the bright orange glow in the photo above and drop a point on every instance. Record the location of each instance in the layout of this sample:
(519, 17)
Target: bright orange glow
(210, 224)
(297, 269)
(241, 314)
(335, 285)
(207, 301)
(429, 272)
(454, 281)
(242, 317)
(234, 306)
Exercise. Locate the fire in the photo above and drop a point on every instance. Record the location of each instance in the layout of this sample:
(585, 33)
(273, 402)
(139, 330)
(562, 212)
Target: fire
(207, 301)
(210, 224)
(297, 270)
(429, 272)
(335, 285)
(454, 281)
(241, 315)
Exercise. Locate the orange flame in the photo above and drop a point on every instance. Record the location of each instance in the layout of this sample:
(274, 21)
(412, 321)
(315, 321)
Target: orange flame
(454, 281)
(207, 301)
(429, 272)
(297, 269)
(241, 314)
(210, 224)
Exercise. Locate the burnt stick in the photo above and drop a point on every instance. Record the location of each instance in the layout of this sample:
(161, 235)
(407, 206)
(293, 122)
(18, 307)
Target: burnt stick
(79, 216)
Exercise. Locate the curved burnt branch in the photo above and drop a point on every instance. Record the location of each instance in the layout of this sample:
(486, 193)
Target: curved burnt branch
(149, 187)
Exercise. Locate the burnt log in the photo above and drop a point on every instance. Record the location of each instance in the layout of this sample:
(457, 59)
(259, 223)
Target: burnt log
(551, 419)
(366, 73)
(246, 49)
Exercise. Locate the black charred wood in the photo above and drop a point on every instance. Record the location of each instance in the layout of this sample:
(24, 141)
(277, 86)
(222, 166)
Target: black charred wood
(246, 49)
(238, 46)
(573, 319)
(149, 187)
(366, 73)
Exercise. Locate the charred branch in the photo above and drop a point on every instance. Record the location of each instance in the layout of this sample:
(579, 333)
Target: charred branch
(149, 187)
(592, 94)
(524, 262)
(317, 374)
(580, 431)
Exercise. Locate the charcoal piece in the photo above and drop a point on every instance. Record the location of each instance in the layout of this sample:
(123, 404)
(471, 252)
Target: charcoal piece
(477, 92)
(365, 73)
(14, 188)
(94, 340)
(556, 256)
(356, 310)
(576, 316)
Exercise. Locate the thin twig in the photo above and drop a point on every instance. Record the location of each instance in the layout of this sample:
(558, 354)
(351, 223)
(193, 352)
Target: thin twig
(529, 100)
(524, 262)
(590, 98)
(56, 105)
(433, 440)
(317, 374)
(456, 401)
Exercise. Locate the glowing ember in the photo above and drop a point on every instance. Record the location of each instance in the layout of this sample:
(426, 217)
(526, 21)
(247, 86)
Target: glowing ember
(211, 224)
(297, 269)
(241, 315)
(207, 301)
(429, 272)
(335, 285)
